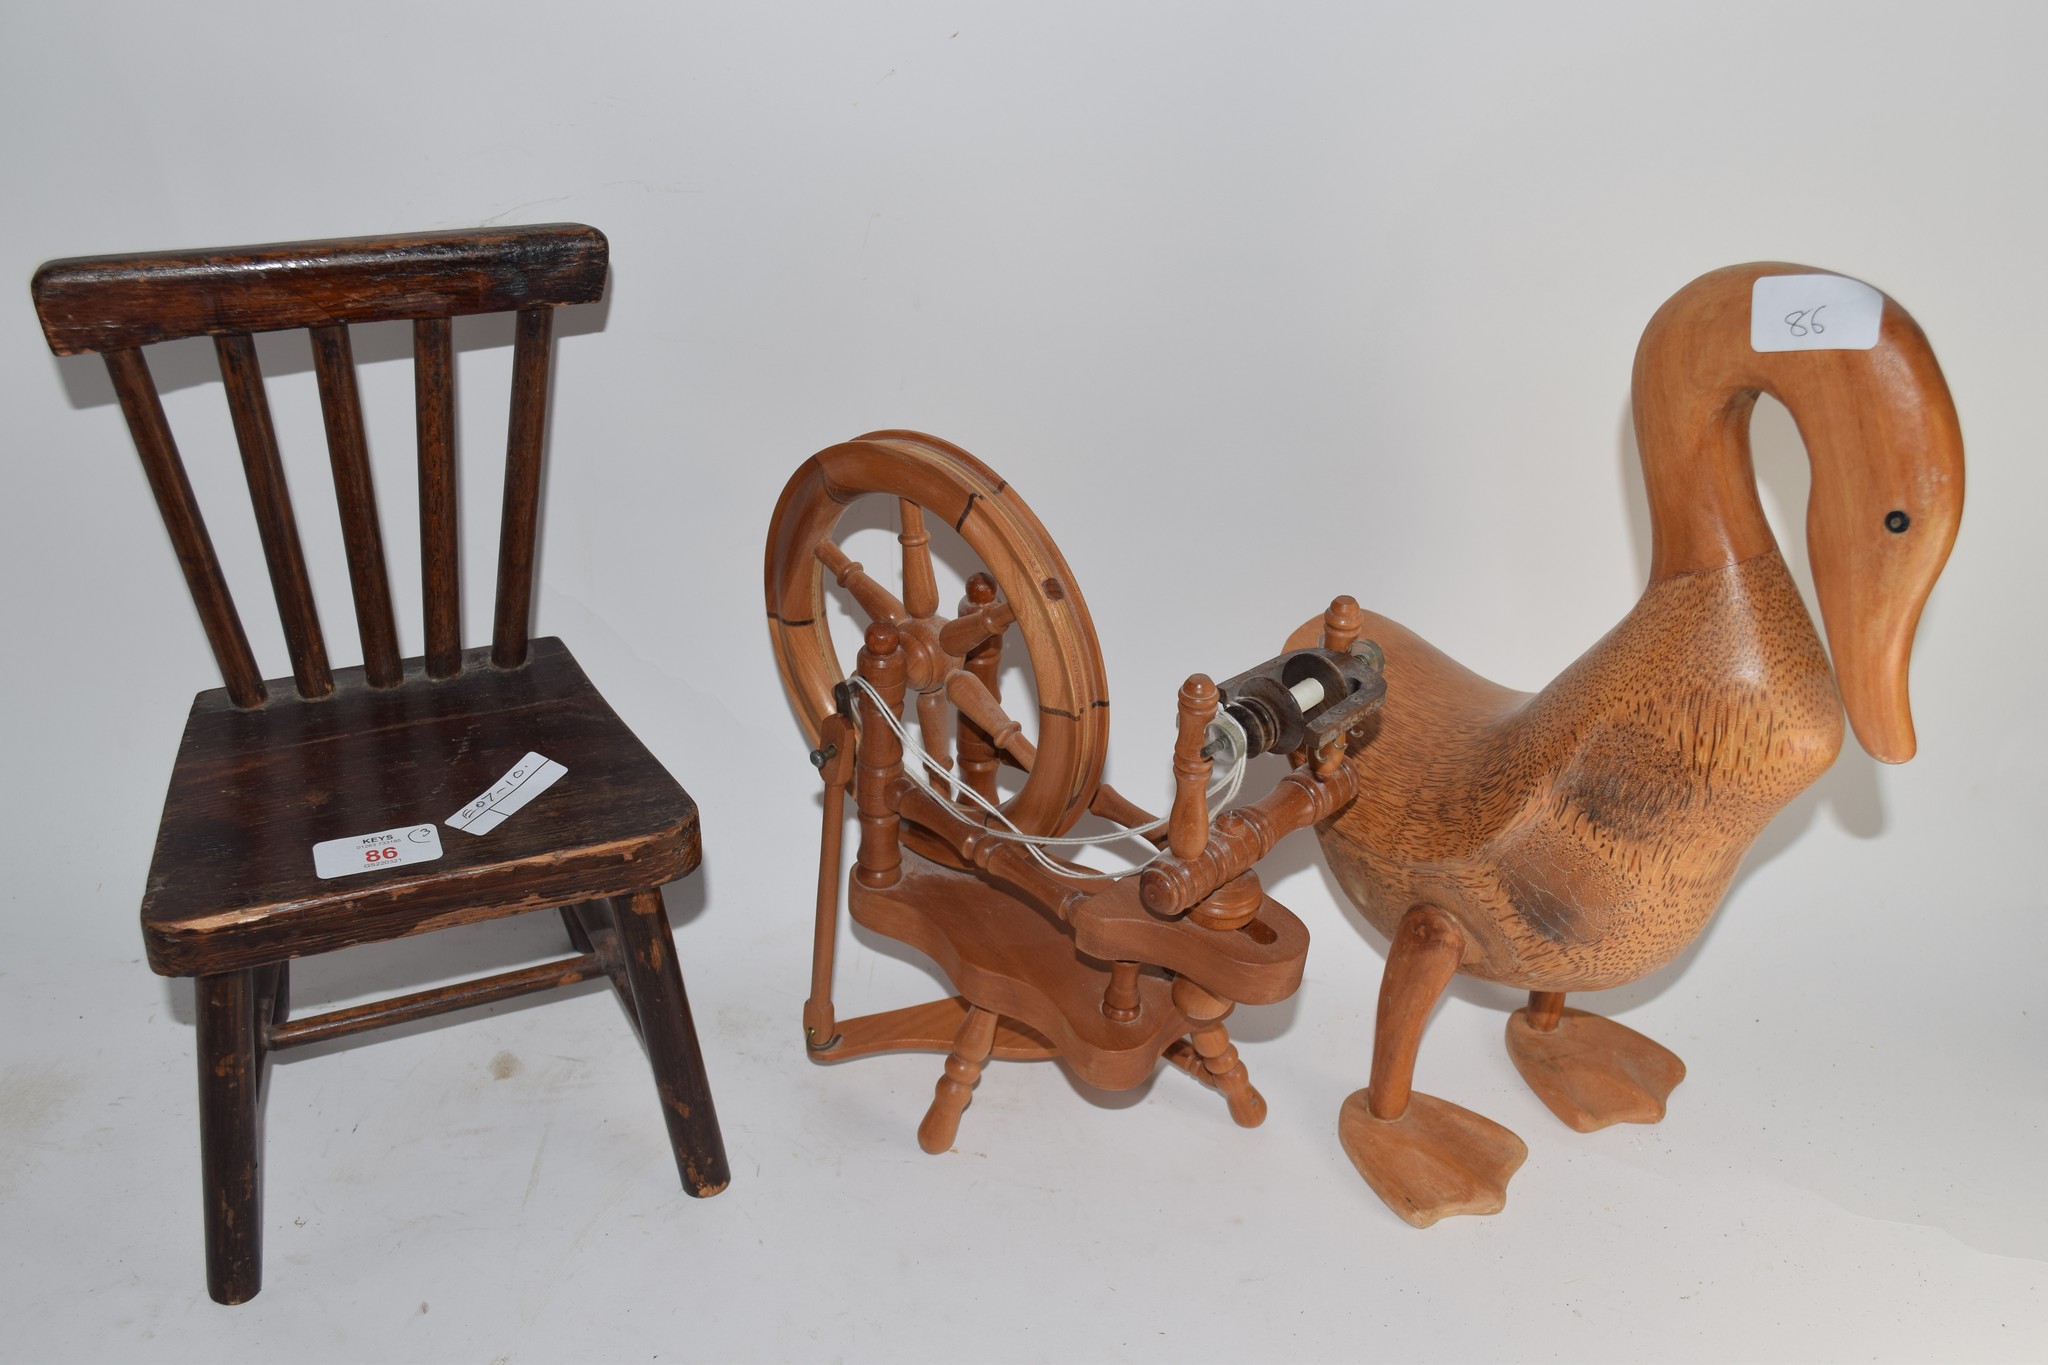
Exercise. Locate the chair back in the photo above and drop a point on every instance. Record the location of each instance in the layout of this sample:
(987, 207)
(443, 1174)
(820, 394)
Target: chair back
(116, 305)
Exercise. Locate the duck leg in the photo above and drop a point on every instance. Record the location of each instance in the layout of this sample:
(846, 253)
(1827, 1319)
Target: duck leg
(1427, 1158)
(1590, 1071)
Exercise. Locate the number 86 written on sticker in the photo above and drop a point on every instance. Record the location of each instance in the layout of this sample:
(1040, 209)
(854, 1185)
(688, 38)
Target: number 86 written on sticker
(1806, 322)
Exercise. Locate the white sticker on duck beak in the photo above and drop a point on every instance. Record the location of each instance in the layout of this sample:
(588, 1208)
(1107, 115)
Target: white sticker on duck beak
(1813, 313)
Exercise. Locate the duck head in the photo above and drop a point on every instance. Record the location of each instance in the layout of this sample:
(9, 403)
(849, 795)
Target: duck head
(1880, 431)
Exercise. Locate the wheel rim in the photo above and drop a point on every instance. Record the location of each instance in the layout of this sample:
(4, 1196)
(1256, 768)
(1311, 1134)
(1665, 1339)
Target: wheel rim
(950, 485)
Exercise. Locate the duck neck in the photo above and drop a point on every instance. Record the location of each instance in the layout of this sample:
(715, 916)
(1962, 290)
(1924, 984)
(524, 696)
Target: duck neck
(1704, 509)
(1695, 385)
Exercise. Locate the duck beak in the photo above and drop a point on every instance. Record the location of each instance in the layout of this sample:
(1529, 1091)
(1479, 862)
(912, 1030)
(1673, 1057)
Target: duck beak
(1887, 500)
(1870, 636)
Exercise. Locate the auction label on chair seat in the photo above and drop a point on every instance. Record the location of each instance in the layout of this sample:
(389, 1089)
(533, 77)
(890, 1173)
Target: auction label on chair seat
(529, 777)
(368, 852)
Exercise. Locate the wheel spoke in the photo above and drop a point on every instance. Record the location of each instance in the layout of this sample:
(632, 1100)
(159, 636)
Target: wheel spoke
(920, 586)
(1113, 805)
(978, 705)
(971, 629)
(877, 601)
(931, 726)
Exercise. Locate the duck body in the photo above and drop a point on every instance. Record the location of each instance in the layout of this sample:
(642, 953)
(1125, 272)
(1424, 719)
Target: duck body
(1581, 836)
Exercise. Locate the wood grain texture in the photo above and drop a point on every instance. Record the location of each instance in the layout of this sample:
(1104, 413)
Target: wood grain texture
(1072, 723)
(834, 759)
(440, 560)
(341, 408)
(671, 1038)
(1438, 1159)
(1048, 960)
(399, 1009)
(230, 1083)
(1421, 961)
(1258, 960)
(1022, 967)
(187, 528)
(880, 859)
(232, 883)
(290, 582)
(1592, 1072)
(1582, 835)
(103, 303)
(1188, 823)
(261, 779)
(520, 520)
(933, 1026)
(971, 1048)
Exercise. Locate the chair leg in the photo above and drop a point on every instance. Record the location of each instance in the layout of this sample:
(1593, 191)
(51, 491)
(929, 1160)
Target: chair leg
(578, 938)
(273, 994)
(230, 1078)
(671, 1038)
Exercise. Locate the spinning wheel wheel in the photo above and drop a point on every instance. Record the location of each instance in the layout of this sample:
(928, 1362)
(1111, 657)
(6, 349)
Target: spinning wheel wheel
(951, 664)
(1049, 959)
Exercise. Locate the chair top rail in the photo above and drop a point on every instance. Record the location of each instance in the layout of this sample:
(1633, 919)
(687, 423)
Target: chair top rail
(108, 303)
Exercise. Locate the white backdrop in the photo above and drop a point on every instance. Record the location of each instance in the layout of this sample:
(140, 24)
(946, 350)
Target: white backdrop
(1255, 305)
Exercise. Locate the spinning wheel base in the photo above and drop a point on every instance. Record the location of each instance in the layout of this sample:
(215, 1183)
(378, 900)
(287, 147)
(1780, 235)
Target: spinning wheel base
(930, 1027)
(1008, 957)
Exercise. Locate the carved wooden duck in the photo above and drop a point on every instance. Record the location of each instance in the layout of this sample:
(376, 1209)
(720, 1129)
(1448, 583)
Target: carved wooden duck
(1579, 837)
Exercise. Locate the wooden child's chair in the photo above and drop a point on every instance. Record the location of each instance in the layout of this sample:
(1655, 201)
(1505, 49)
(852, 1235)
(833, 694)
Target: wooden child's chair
(400, 769)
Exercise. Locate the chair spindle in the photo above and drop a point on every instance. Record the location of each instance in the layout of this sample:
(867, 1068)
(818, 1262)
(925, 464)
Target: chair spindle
(289, 581)
(341, 407)
(180, 510)
(440, 569)
(522, 486)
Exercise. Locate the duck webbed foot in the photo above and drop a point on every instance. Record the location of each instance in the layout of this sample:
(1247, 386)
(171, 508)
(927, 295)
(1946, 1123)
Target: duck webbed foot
(1590, 1071)
(1435, 1160)
(1426, 1158)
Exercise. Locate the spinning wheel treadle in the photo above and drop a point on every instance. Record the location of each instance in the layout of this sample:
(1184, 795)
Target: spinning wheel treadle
(1048, 960)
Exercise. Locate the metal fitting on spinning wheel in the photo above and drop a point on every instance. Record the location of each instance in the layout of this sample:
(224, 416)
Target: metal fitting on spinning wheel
(1312, 696)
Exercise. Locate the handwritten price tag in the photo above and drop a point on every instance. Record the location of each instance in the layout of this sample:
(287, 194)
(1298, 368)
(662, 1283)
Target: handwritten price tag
(1813, 313)
(370, 852)
(529, 777)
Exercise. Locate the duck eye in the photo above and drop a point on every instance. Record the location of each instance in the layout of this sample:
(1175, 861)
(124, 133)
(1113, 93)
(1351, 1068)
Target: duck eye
(1896, 522)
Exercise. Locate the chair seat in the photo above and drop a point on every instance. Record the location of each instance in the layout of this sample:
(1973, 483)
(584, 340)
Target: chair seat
(232, 883)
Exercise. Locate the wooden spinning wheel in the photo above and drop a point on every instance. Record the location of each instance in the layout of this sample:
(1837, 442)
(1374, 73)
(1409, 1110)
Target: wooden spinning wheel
(1107, 973)
(950, 663)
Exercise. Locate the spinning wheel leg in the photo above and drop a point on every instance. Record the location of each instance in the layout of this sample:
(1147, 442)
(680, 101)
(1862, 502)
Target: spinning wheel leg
(1425, 1157)
(834, 757)
(956, 1087)
(1219, 1057)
